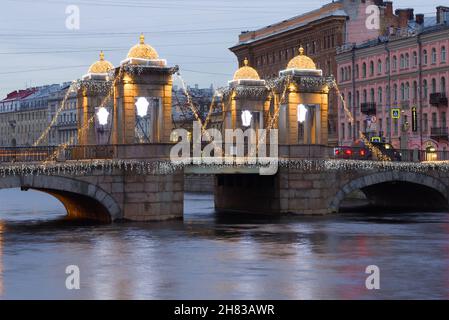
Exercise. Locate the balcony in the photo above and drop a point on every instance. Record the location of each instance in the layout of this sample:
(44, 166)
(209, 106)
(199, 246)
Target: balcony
(439, 133)
(438, 99)
(368, 108)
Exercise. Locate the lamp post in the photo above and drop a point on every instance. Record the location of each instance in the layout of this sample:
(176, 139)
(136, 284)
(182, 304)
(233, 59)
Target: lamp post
(404, 135)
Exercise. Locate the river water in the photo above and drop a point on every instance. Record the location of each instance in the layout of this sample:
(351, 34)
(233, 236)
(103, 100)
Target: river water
(211, 256)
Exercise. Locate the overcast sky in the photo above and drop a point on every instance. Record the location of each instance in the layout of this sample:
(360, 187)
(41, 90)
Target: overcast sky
(36, 48)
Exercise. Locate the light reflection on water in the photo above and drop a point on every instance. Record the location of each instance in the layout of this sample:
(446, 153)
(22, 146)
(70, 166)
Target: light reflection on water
(220, 256)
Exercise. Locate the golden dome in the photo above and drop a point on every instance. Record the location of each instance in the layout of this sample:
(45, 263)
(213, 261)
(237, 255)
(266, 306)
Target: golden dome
(101, 66)
(302, 62)
(246, 72)
(143, 51)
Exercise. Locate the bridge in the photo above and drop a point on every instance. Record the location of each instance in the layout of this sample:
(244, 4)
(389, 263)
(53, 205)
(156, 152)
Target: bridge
(122, 168)
(140, 183)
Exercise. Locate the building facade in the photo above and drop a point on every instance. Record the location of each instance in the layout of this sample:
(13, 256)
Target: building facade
(24, 116)
(64, 128)
(320, 32)
(396, 87)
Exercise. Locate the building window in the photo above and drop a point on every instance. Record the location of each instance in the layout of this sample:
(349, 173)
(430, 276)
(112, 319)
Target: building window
(395, 63)
(434, 85)
(424, 57)
(415, 59)
(402, 63)
(357, 71)
(425, 89)
(395, 92)
(350, 101)
(388, 123)
(379, 95)
(379, 66)
(402, 92)
(364, 70)
(407, 91)
(371, 68)
(425, 122)
(434, 56)
(407, 60)
(343, 131)
(349, 130)
(365, 96)
(372, 95)
(434, 120)
(443, 85)
(387, 65)
(443, 54)
(415, 90)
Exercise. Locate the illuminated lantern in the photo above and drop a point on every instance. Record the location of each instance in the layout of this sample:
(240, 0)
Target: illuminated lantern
(142, 105)
(103, 115)
(246, 118)
(302, 113)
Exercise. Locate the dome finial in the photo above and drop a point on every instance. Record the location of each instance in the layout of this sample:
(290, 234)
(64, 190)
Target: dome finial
(301, 51)
(245, 62)
(142, 39)
(101, 55)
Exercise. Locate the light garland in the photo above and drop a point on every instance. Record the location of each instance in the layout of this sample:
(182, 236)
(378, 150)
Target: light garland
(163, 167)
(379, 154)
(55, 117)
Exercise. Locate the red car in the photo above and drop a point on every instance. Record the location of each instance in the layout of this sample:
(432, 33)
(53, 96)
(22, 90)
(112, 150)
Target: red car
(351, 153)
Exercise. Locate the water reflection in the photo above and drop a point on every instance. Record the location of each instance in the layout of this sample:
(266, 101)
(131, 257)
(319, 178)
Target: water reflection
(226, 256)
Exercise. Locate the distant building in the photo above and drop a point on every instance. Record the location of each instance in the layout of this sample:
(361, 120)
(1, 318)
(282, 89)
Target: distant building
(396, 86)
(64, 128)
(24, 116)
(320, 32)
(201, 98)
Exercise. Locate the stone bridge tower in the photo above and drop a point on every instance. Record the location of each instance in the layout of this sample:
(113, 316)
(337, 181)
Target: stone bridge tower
(143, 94)
(92, 100)
(303, 114)
(247, 100)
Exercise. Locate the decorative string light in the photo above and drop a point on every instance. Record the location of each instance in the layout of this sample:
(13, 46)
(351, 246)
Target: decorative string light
(374, 150)
(146, 167)
(55, 117)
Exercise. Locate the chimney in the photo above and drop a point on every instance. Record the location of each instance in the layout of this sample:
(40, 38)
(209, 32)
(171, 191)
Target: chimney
(420, 19)
(388, 8)
(442, 14)
(405, 15)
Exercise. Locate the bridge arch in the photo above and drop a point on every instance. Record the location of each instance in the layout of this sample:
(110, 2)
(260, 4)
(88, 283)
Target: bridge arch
(81, 199)
(379, 189)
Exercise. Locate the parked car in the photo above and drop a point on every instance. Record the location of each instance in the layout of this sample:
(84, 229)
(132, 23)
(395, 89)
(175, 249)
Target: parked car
(388, 150)
(352, 153)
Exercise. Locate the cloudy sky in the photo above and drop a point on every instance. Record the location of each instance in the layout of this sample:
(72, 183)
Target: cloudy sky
(36, 47)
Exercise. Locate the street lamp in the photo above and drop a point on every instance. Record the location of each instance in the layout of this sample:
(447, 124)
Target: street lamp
(142, 105)
(103, 116)
(246, 118)
(302, 113)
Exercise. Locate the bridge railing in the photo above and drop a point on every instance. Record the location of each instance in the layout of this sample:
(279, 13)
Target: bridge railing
(26, 154)
(88, 152)
(162, 152)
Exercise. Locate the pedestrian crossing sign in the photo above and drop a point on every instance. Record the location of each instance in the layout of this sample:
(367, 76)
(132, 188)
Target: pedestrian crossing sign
(396, 113)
